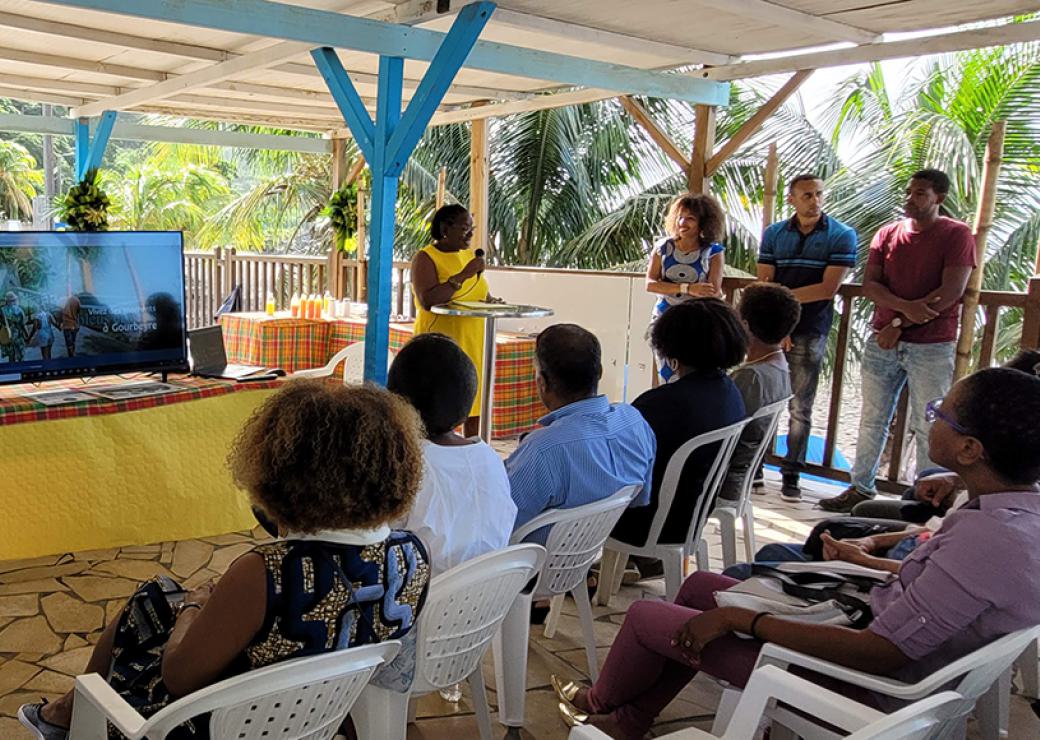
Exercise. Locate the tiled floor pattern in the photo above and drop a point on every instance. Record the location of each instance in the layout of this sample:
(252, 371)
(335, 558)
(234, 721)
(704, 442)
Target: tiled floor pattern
(52, 610)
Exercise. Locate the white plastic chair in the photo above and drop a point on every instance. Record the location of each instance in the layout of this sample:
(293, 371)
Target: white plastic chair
(574, 543)
(353, 358)
(674, 555)
(769, 685)
(982, 676)
(727, 512)
(303, 699)
(464, 609)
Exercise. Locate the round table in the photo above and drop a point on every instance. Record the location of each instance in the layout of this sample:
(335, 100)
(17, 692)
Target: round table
(490, 314)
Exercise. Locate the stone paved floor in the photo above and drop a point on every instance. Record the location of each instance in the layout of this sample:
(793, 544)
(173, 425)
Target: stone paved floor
(52, 610)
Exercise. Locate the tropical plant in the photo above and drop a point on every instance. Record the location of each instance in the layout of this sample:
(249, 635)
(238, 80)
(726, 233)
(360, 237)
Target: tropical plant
(341, 212)
(85, 206)
(19, 180)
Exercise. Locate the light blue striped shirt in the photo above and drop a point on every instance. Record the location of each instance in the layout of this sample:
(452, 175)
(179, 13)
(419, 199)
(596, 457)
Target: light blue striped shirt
(584, 452)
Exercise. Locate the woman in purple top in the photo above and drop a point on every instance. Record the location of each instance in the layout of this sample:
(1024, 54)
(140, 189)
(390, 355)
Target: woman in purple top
(945, 602)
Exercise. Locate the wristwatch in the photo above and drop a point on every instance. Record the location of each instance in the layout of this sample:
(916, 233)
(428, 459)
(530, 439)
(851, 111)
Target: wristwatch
(684, 288)
(454, 282)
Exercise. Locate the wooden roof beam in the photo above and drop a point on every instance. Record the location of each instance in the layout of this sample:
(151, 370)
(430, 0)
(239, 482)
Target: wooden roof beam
(784, 17)
(753, 124)
(655, 132)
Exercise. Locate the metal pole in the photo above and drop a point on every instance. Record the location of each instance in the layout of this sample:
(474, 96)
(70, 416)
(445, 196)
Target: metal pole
(488, 387)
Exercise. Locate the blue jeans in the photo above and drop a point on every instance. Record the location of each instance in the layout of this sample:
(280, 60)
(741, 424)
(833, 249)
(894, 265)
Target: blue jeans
(804, 360)
(928, 371)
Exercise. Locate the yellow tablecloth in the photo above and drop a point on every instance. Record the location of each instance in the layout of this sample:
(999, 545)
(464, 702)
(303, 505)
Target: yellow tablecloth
(125, 478)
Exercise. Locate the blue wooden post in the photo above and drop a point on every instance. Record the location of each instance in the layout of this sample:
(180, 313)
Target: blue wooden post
(384, 207)
(90, 152)
(386, 145)
(82, 147)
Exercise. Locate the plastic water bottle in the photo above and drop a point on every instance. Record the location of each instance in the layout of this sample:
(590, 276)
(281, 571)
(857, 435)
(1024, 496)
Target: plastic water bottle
(452, 694)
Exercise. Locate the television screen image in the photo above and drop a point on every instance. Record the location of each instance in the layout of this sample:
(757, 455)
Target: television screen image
(76, 304)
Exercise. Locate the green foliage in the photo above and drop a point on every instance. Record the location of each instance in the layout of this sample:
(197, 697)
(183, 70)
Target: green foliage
(341, 212)
(19, 180)
(85, 206)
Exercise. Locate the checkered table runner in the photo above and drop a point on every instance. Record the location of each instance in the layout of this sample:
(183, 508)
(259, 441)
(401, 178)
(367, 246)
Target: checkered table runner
(297, 344)
(16, 408)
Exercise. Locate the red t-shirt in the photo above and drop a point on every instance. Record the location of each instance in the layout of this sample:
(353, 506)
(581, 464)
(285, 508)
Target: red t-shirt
(912, 264)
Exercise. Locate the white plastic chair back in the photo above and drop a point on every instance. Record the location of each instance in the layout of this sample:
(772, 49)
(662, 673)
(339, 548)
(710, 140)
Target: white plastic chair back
(727, 438)
(919, 721)
(353, 359)
(575, 540)
(771, 413)
(463, 611)
(303, 699)
(979, 671)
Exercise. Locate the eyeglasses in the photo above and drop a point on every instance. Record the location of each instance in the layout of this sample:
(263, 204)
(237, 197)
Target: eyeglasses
(933, 411)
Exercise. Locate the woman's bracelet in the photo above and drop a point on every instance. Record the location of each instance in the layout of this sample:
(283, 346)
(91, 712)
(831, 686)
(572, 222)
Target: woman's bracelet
(454, 282)
(754, 624)
(188, 605)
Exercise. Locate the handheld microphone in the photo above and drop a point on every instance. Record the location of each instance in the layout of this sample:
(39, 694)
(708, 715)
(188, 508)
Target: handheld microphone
(479, 253)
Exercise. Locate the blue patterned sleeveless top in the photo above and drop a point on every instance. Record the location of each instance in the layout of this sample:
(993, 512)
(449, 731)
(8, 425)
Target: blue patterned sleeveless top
(682, 267)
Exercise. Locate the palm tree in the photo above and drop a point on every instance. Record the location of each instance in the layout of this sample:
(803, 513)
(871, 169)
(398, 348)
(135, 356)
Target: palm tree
(943, 118)
(19, 180)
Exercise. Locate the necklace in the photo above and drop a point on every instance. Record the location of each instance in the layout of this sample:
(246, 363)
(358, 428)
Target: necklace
(763, 358)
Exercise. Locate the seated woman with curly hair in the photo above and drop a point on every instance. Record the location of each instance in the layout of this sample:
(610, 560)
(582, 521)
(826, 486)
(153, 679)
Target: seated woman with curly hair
(331, 466)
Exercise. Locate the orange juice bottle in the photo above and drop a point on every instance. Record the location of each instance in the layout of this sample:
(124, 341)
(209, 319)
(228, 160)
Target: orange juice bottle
(315, 307)
(294, 306)
(327, 306)
(269, 305)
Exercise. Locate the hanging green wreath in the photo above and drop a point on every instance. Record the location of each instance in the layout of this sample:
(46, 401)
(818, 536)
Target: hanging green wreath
(85, 206)
(342, 214)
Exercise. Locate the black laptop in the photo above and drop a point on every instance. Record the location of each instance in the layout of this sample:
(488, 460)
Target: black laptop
(209, 358)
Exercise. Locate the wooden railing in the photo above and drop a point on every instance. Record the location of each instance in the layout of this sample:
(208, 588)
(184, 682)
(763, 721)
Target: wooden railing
(211, 276)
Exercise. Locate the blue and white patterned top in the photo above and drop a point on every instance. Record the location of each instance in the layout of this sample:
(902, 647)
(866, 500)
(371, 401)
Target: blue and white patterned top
(678, 266)
(586, 451)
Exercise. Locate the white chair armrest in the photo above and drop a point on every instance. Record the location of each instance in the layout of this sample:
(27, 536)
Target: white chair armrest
(97, 703)
(782, 657)
(771, 683)
(312, 372)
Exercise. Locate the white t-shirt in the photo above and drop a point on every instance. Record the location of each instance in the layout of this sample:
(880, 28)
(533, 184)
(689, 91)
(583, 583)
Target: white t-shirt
(463, 508)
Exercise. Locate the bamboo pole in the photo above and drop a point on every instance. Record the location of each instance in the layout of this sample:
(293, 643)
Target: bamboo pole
(479, 165)
(442, 186)
(983, 224)
(769, 197)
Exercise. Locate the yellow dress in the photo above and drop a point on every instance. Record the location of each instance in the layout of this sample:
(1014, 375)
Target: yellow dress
(469, 333)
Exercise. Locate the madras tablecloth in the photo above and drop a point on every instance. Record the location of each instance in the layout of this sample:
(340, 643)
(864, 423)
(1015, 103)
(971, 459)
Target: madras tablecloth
(297, 344)
(114, 473)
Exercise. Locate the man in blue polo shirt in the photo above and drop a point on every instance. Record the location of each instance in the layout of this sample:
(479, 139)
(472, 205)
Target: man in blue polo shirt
(810, 253)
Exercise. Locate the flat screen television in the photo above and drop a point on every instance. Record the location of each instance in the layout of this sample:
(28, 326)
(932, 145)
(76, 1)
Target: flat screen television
(81, 304)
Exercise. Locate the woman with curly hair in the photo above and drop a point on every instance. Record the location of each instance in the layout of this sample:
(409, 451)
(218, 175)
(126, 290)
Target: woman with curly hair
(687, 263)
(331, 466)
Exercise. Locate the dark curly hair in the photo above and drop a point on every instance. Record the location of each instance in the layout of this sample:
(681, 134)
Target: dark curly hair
(770, 310)
(702, 334)
(999, 406)
(437, 378)
(445, 215)
(938, 179)
(319, 456)
(710, 218)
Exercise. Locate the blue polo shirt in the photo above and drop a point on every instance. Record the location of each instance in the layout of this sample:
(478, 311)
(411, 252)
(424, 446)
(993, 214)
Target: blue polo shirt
(801, 259)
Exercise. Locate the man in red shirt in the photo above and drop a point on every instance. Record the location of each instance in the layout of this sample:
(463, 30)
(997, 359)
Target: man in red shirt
(916, 273)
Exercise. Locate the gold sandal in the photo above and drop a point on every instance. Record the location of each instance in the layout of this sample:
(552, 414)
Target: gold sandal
(571, 715)
(565, 691)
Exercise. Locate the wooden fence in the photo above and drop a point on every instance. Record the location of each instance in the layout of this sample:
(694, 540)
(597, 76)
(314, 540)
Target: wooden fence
(211, 277)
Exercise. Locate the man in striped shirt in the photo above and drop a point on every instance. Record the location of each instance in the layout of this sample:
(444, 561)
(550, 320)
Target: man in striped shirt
(586, 448)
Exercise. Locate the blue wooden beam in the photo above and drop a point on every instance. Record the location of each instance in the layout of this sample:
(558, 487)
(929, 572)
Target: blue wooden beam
(325, 28)
(90, 151)
(446, 63)
(347, 98)
(384, 207)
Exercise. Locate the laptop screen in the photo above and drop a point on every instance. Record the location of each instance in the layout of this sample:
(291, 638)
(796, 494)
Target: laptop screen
(207, 348)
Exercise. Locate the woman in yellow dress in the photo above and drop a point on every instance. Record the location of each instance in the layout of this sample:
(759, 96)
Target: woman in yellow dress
(449, 270)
